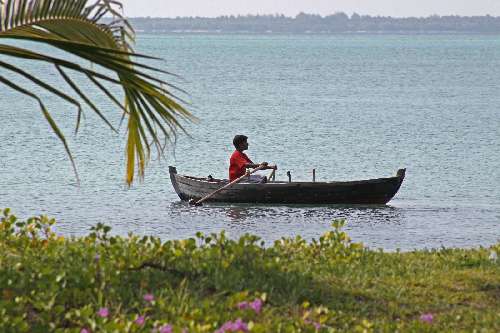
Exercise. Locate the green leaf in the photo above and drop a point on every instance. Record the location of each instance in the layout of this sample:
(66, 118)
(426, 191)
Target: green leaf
(74, 27)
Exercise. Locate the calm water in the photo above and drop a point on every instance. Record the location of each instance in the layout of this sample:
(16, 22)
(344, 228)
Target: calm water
(353, 107)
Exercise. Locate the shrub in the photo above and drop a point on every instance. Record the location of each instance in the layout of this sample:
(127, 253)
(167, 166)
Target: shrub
(106, 283)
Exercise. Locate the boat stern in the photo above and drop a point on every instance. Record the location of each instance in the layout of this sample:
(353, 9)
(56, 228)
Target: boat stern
(173, 173)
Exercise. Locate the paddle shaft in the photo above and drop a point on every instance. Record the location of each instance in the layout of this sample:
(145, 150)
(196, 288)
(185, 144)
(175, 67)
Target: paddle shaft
(208, 196)
(272, 176)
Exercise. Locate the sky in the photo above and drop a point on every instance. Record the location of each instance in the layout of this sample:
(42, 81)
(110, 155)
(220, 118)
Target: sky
(395, 8)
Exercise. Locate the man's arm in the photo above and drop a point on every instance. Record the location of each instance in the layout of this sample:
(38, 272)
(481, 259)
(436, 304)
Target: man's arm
(251, 165)
(265, 164)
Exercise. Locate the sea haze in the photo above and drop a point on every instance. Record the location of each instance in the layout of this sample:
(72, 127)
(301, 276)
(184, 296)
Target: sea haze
(351, 106)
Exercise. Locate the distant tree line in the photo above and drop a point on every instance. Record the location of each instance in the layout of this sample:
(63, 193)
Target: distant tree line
(311, 23)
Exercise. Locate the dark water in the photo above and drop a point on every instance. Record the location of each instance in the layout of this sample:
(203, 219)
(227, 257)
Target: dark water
(353, 107)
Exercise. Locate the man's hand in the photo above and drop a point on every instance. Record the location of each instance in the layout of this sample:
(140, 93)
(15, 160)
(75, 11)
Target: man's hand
(267, 166)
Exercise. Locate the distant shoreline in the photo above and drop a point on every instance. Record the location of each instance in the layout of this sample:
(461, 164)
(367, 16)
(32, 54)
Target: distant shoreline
(338, 23)
(402, 33)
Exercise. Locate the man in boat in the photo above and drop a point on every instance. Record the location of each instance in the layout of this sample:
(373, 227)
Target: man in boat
(239, 162)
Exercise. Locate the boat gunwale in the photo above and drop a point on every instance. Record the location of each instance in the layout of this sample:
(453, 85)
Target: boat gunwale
(348, 182)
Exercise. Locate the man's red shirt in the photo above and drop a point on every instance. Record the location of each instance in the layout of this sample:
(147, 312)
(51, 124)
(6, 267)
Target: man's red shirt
(237, 164)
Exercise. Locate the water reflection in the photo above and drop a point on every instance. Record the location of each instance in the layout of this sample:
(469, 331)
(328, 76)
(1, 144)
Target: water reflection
(360, 214)
(396, 226)
(238, 213)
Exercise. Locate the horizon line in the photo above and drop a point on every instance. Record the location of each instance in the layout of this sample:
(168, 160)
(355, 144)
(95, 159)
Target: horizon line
(313, 14)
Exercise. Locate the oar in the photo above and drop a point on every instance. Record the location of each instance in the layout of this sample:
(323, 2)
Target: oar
(272, 176)
(199, 202)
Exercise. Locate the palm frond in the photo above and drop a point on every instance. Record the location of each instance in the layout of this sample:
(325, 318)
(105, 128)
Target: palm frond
(47, 116)
(76, 27)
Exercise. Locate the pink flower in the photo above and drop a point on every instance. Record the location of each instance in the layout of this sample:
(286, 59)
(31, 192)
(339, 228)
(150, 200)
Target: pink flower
(84, 330)
(140, 320)
(166, 329)
(316, 325)
(184, 330)
(236, 326)
(243, 305)
(427, 318)
(103, 312)
(228, 326)
(256, 305)
(149, 297)
(240, 325)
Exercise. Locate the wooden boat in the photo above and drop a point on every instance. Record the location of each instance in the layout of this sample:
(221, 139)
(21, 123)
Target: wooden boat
(372, 191)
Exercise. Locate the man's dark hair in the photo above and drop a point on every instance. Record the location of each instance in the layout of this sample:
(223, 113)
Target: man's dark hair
(239, 139)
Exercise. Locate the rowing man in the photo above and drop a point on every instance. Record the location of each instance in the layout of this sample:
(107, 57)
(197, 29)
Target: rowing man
(239, 162)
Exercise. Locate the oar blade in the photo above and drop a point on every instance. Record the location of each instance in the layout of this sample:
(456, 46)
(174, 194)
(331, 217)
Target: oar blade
(193, 202)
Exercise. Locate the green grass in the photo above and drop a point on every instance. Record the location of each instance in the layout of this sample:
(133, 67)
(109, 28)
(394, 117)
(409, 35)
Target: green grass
(49, 283)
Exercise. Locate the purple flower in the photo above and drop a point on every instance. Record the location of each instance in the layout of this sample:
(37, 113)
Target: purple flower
(97, 257)
(427, 318)
(243, 305)
(240, 325)
(103, 312)
(140, 320)
(149, 297)
(236, 326)
(228, 326)
(316, 325)
(84, 330)
(256, 305)
(166, 329)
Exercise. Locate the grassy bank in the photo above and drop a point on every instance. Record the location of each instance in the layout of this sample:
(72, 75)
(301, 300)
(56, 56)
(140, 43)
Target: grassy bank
(101, 283)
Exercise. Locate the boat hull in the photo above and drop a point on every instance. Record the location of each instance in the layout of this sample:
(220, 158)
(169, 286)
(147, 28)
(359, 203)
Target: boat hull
(372, 191)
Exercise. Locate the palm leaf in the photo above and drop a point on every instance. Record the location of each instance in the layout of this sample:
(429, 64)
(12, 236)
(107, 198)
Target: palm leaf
(76, 27)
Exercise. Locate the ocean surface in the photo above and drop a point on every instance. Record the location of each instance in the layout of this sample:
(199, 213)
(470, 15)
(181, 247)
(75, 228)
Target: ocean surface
(350, 106)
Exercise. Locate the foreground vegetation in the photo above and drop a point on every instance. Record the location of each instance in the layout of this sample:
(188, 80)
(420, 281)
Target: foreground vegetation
(104, 283)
